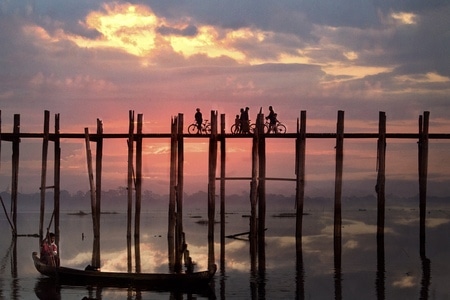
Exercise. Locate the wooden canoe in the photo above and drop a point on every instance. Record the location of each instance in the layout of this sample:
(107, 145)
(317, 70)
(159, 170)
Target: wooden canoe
(147, 280)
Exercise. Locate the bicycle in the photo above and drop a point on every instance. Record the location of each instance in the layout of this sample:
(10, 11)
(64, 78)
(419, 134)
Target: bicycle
(278, 127)
(205, 128)
(236, 129)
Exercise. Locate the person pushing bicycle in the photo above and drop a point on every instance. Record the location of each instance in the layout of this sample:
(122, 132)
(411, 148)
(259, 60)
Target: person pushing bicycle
(272, 117)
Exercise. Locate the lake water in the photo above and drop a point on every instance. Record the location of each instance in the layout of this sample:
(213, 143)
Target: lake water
(362, 271)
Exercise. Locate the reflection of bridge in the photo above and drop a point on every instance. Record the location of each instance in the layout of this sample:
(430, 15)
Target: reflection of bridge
(258, 177)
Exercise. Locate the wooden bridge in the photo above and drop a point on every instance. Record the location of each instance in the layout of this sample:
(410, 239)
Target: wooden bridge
(218, 136)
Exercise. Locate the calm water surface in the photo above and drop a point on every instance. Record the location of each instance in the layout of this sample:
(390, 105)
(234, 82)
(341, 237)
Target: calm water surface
(361, 271)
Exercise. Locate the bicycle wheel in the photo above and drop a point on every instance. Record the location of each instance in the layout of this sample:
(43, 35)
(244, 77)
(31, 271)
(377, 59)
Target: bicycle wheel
(192, 129)
(281, 128)
(234, 129)
(252, 128)
(207, 129)
(267, 128)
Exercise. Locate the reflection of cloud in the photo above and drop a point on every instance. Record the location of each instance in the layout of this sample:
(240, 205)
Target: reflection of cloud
(435, 222)
(405, 282)
(352, 227)
(351, 244)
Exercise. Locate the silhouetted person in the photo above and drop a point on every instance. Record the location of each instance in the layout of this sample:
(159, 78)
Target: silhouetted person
(199, 119)
(237, 124)
(245, 126)
(272, 117)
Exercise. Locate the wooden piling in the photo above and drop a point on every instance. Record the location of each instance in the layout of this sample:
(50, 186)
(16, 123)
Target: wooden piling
(423, 170)
(15, 168)
(381, 169)
(98, 172)
(43, 188)
(253, 236)
(57, 179)
(179, 193)
(222, 191)
(95, 262)
(172, 192)
(261, 193)
(212, 186)
(338, 176)
(130, 175)
(137, 217)
(300, 157)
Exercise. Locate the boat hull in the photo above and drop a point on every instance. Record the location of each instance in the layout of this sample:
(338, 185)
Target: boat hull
(161, 281)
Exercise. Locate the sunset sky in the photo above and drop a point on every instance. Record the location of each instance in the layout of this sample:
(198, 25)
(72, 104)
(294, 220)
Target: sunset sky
(89, 60)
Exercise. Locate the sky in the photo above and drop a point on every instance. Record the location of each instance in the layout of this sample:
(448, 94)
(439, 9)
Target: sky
(89, 60)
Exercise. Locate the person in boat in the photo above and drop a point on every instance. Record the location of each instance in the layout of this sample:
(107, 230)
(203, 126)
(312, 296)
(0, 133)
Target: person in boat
(49, 250)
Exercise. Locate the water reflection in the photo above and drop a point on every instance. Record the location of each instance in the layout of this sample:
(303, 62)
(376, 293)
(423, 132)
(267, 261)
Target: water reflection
(324, 267)
(381, 270)
(48, 289)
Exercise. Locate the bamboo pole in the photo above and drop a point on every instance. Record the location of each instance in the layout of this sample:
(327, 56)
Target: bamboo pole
(57, 180)
(338, 175)
(381, 177)
(44, 173)
(300, 174)
(137, 217)
(212, 186)
(130, 144)
(15, 169)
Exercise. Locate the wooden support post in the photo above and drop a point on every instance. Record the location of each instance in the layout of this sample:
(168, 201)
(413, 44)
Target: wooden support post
(179, 194)
(130, 175)
(222, 191)
(423, 170)
(57, 179)
(338, 176)
(172, 192)
(137, 217)
(212, 186)
(300, 153)
(381, 177)
(98, 190)
(95, 262)
(98, 172)
(261, 193)
(253, 204)
(15, 169)
(44, 173)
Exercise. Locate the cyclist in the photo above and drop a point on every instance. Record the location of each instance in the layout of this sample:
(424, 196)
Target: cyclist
(272, 117)
(199, 119)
